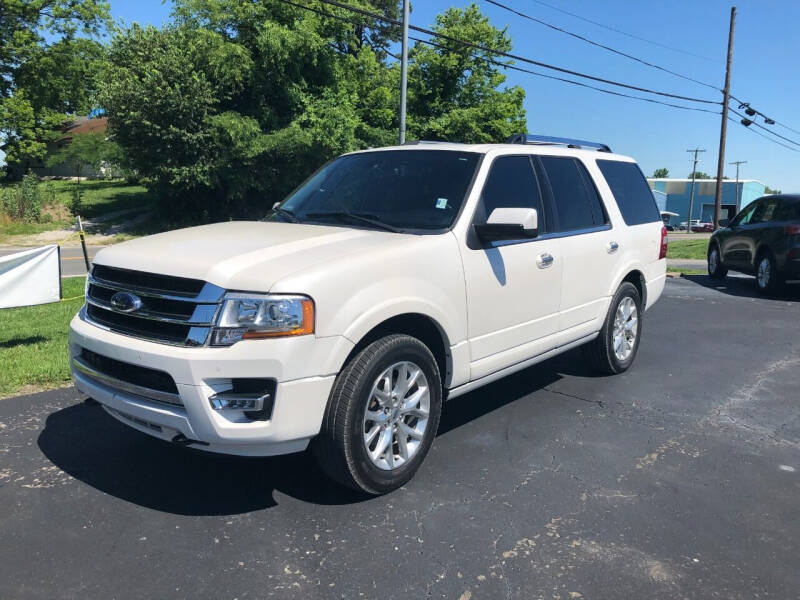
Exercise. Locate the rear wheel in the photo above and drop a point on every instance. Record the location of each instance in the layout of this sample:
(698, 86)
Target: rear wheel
(615, 348)
(715, 268)
(768, 280)
(382, 416)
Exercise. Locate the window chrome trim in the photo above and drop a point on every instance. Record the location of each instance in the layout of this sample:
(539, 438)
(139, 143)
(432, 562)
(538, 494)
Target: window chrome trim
(124, 386)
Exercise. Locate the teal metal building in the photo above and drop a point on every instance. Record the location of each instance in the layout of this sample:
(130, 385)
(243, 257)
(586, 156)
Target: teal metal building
(735, 196)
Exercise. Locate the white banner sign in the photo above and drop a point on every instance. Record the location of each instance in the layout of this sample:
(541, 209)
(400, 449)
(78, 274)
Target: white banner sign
(30, 277)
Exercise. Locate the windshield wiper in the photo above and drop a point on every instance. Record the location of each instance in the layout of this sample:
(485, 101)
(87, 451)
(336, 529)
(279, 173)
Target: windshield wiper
(343, 215)
(286, 213)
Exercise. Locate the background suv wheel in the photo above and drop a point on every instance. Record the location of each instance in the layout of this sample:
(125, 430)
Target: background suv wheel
(382, 416)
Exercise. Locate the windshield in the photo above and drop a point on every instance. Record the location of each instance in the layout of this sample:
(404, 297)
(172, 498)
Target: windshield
(390, 189)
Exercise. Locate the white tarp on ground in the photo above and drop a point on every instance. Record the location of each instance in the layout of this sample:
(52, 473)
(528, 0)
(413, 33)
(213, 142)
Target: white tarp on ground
(30, 277)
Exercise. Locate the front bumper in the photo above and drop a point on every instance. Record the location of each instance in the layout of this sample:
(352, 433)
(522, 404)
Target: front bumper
(304, 368)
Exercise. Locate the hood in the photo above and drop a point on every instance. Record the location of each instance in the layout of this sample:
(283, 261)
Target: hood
(243, 255)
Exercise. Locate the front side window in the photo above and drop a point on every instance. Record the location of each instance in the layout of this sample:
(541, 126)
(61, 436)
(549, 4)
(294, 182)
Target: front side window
(743, 218)
(405, 189)
(511, 183)
(630, 189)
(576, 200)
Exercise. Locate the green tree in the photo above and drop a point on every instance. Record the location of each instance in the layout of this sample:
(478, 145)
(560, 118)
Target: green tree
(769, 190)
(46, 70)
(699, 175)
(455, 91)
(661, 173)
(232, 105)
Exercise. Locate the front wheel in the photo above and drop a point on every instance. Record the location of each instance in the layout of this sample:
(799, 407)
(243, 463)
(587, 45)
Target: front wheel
(382, 416)
(615, 348)
(715, 268)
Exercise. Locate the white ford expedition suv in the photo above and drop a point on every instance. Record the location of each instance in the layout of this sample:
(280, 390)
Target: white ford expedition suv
(389, 281)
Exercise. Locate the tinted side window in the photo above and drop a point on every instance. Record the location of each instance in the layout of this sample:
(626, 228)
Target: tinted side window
(511, 184)
(630, 189)
(789, 211)
(572, 200)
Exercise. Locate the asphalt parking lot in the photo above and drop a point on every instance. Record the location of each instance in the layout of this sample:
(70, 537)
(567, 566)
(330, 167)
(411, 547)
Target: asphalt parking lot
(678, 479)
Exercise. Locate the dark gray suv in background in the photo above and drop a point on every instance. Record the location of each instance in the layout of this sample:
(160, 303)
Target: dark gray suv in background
(762, 240)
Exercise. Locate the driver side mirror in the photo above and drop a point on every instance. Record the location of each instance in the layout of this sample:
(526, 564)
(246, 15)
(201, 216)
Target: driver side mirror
(509, 224)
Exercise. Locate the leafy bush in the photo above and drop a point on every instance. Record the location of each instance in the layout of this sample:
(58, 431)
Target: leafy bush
(23, 202)
(76, 199)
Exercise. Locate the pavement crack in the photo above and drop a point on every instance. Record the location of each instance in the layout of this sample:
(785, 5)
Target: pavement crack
(590, 401)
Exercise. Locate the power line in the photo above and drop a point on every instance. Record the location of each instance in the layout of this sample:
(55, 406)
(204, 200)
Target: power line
(429, 32)
(766, 137)
(585, 85)
(765, 116)
(599, 45)
(630, 35)
(738, 114)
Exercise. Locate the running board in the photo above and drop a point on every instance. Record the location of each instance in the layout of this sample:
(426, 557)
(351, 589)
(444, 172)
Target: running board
(473, 385)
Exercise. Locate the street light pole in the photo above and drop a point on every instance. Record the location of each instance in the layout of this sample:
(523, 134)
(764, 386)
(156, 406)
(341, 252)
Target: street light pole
(691, 196)
(738, 196)
(404, 74)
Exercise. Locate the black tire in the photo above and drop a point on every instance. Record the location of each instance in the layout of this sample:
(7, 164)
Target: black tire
(774, 281)
(339, 448)
(716, 270)
(600, 351)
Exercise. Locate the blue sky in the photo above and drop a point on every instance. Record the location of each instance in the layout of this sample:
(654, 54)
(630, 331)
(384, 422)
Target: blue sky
(764, 72)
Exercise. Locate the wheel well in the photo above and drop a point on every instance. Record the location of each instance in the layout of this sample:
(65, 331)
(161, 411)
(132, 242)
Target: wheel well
(416, 325)
(637, 279)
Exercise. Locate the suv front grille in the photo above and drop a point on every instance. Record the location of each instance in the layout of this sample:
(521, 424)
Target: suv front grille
(171, 310)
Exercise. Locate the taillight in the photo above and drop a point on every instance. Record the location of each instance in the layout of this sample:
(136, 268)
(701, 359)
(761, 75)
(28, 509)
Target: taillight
(662, 253)
(791, 229)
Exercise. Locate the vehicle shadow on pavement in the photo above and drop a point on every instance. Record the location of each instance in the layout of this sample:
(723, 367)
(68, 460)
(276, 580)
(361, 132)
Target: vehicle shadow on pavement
(93, 447)
(744, 287)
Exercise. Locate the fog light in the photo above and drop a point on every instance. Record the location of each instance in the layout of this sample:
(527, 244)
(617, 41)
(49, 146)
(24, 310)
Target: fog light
(233, 401)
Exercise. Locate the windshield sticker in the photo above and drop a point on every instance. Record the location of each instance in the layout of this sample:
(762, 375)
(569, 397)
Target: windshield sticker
(441, 203)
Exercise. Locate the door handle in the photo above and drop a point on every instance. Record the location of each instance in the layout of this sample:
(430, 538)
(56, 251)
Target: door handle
(612, 247)
(544, 260)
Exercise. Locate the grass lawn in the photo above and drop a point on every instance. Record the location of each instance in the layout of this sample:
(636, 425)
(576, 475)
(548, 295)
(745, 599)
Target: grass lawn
(688, 249)
(33, 342)
(687, 271)
(100, 197)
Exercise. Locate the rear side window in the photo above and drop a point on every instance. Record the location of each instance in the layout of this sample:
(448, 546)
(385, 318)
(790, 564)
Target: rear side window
(576, 200)
(789, 211)
(511, 184)
(630, 189)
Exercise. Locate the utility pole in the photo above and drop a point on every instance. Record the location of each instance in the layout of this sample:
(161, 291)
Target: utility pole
(737, 163)
(404, 74)
(726, 95)
(691, 196)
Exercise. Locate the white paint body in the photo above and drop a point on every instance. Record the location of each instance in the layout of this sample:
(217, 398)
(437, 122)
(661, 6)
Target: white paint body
(496, 309)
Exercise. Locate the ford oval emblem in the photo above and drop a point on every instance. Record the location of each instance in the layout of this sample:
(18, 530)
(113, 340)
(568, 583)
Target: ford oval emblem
(126, 302)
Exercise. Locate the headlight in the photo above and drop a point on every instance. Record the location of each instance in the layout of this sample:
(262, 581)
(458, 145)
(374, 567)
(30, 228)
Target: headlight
(253, 316)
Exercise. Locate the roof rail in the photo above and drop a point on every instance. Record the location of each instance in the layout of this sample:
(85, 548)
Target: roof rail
(546, 140)
(419, 142)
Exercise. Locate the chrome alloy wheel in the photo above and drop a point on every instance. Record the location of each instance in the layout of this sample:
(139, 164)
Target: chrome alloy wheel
(397, 415)
(626, 322)
(713, 261)
(764, 273)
